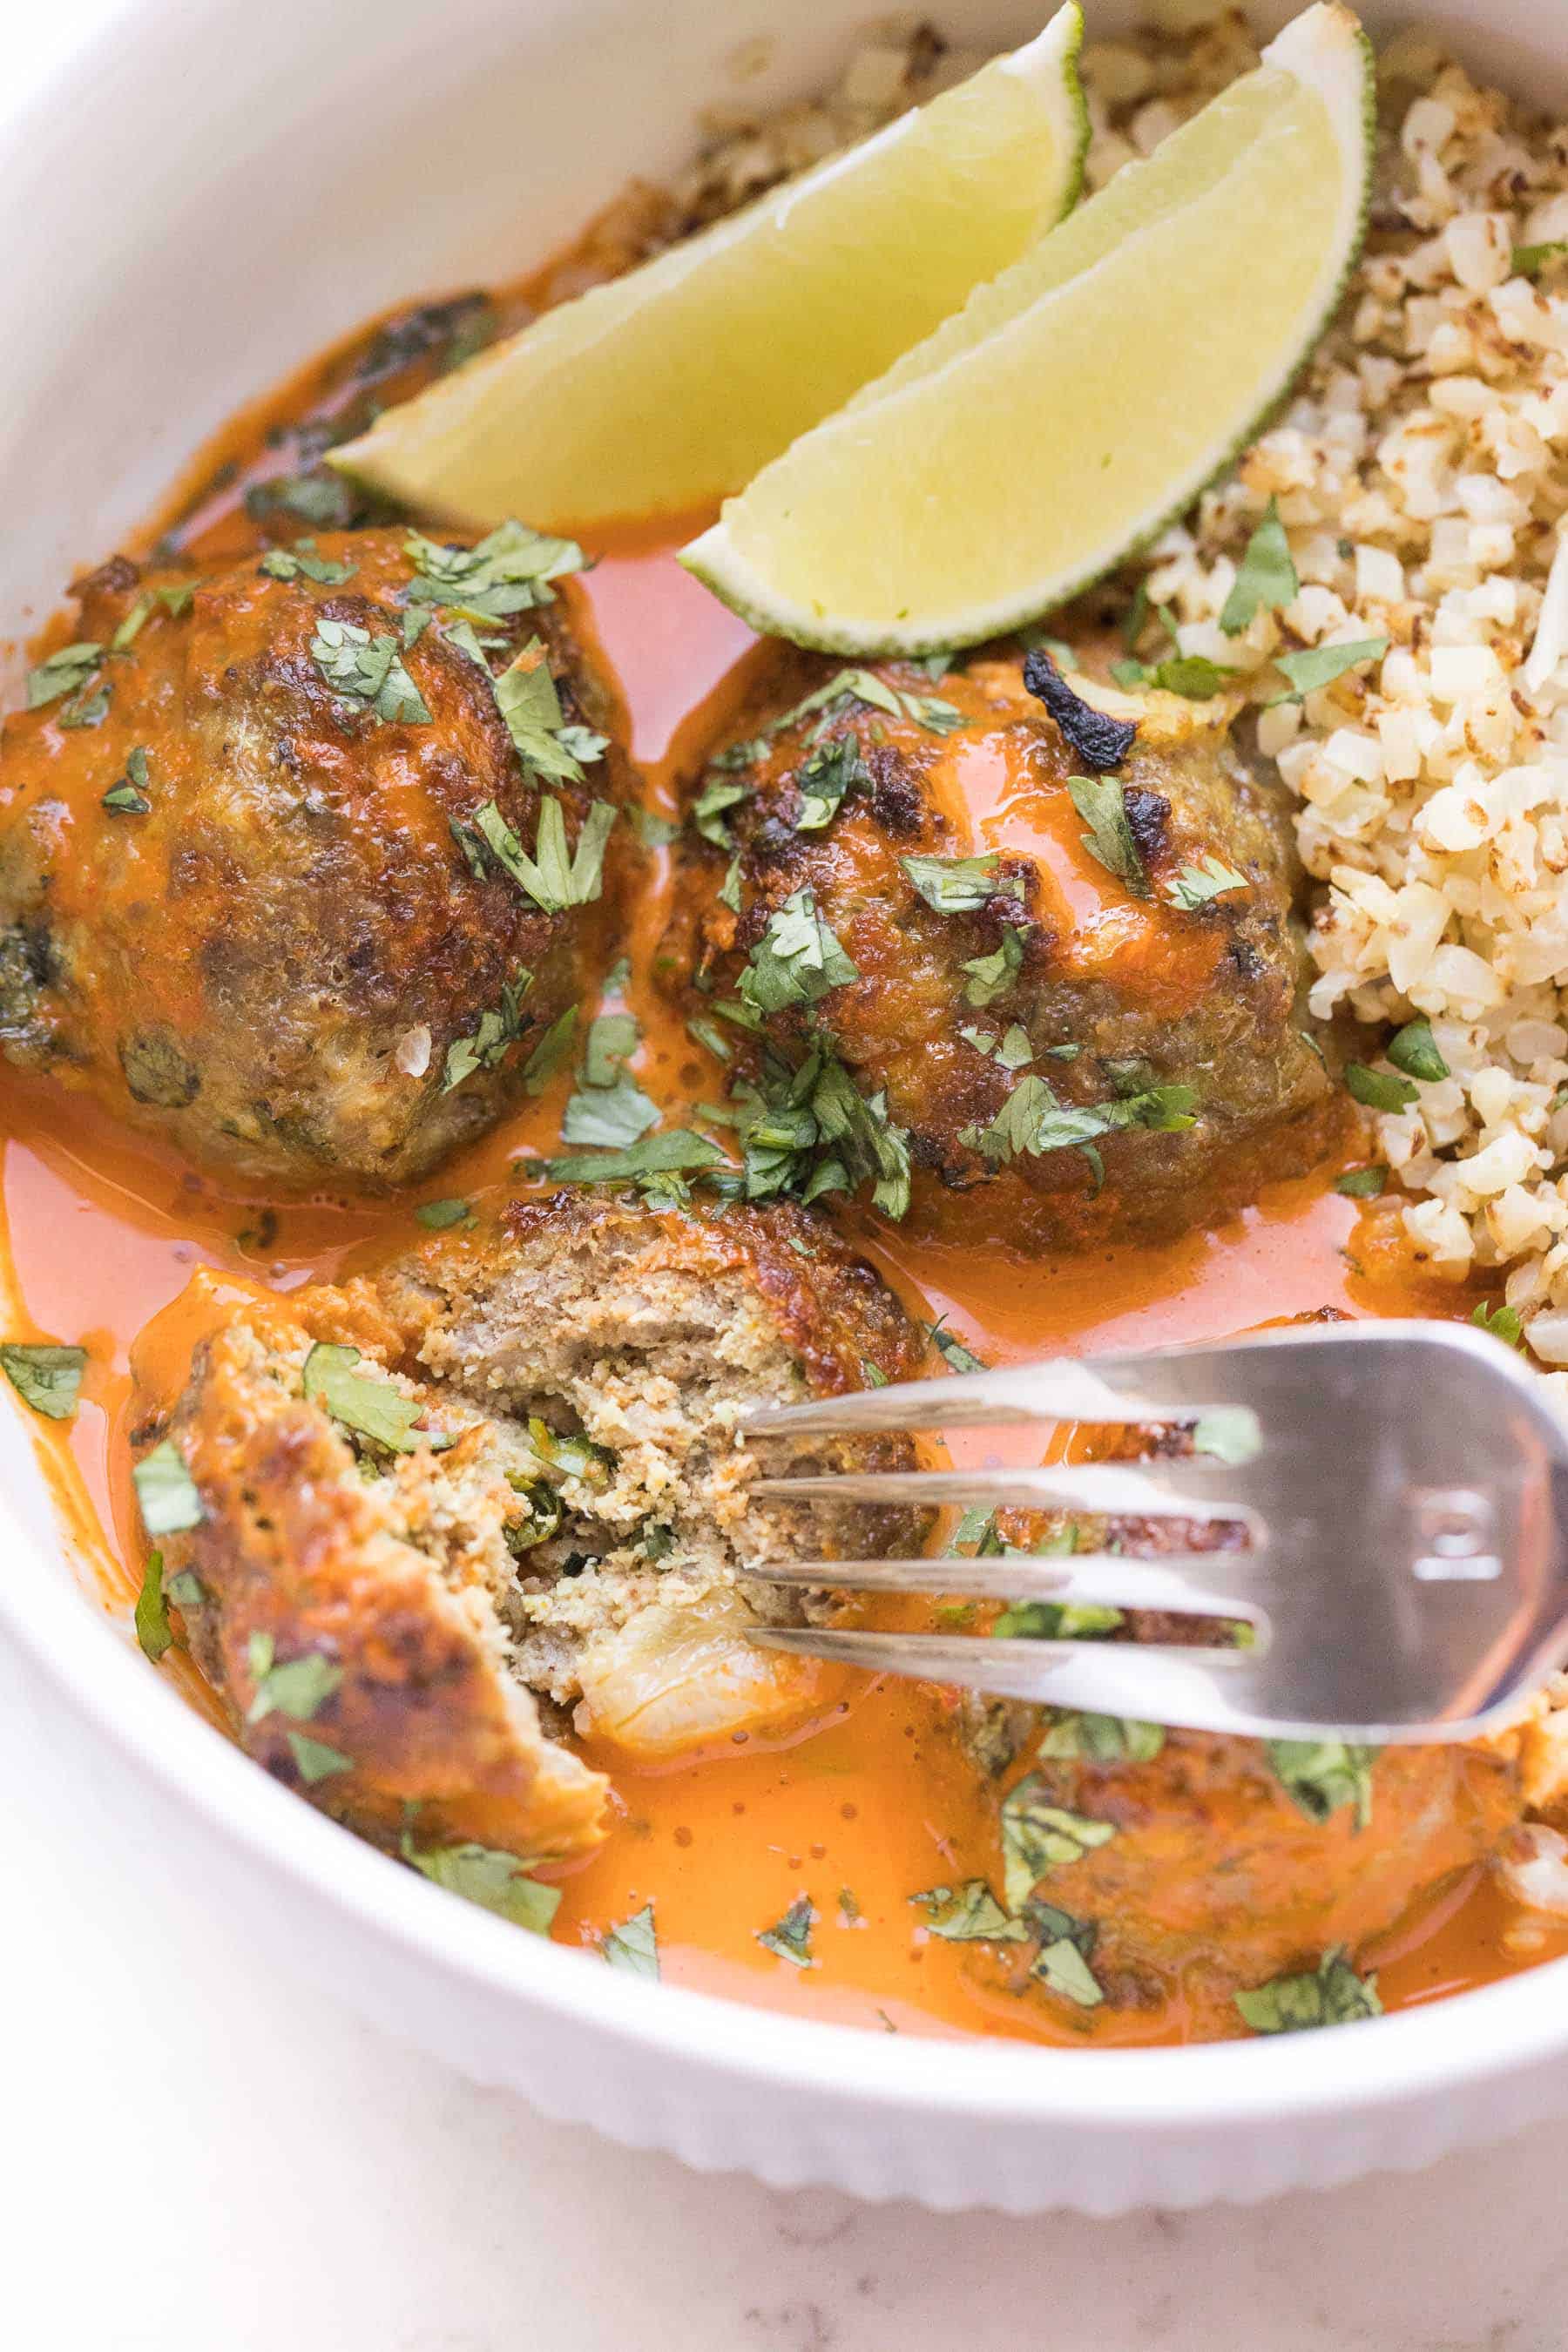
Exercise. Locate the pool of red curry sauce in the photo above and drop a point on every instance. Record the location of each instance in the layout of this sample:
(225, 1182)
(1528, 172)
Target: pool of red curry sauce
(873, 1800)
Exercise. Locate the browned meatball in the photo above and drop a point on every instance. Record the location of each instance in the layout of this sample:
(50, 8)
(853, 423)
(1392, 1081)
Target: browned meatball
(1191, 1868)
(500, 1487)
(1052, 1006)
(259, 844)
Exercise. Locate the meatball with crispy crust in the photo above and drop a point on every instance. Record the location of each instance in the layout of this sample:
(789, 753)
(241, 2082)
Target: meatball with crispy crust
(287, 875)
(1193, 1867)
(498, 1487)
(1055, 1006)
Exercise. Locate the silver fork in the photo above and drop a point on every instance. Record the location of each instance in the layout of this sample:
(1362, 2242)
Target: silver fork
(1398, 1492)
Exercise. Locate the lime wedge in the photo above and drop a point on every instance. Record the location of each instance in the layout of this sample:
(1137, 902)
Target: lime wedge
(668, 388)
(1084, 396)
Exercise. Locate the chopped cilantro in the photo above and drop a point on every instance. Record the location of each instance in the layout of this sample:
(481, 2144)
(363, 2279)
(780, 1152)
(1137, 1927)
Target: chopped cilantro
(1414, 1050)
(790, 1938)
(810, 1132)
(186, 1589)
(62, 673)
(1363, 1183)
(319, 497)
(302, 561)
(366, 668)
(166, 1491)
(1377, 1090)
(969, 1914)
(1319, 666)
(497, 1882)
(633, 1945)
(824, 780)
(1101, 801)
(1266, 579)
(1502, 1322)
(314, 1760)
(655, 832)
(1062, 1967)
(1103, 1739)
(369, 1407)
(486, 1046)
(528, 699)
(1530, 261)
(551, 1053)
(958, 886)
(154, 1630)
(675, 1151)
(954, 1351)
(1196, 885)
(509, 571)
(1032, 1120)
(991, 976)
(1192, 676)
(1332, 1994)
(609, 1117)
(299, 1687)
(554, 880)
(440, 1216)
(797, 960)
(44, 1375)
(1318, 1775)
(1038, 1837)
(710, 810)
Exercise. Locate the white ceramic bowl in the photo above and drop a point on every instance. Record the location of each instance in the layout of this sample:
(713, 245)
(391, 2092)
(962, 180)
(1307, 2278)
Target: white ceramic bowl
(197, 194)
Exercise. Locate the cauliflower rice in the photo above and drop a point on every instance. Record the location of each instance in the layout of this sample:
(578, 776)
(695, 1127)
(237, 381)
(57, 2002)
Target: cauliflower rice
(1419, 472)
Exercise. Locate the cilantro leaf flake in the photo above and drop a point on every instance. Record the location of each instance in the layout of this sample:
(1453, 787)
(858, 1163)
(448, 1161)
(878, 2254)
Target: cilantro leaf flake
(367, 1406)
(634, 1945)
(166, 1491)
(44, 1375)
(1332, 1994)
(1268, 577)
(1101, 801)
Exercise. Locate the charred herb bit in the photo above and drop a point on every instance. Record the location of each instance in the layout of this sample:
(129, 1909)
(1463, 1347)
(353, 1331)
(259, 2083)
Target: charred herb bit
(958, 886)
(497, 1882)
(1038, 1837)
(826, 780)
(1194, 885)
(1268, 577)
(790, 1938)
(798, 960)
(302, 561)
(366, 668)
(365, 1406)
(990, 976)
(166, 1491)
(969, 1914)
(1332, 1994)
(1318, 1775)
(65, 672)
(553, 879)
(499, 1029)
(1102, 1739)
(1377, 1090)
(129, 797)
(44, 1375)
(1502, 1322)
(153, 1631)
(634, 1945)
(1101, 803)
(1363, 1183)
(1414, 1050)
(1101, 742)
(1318, 666)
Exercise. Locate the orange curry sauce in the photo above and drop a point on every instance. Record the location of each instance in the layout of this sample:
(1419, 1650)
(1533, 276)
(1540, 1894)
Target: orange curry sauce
(875, 1800)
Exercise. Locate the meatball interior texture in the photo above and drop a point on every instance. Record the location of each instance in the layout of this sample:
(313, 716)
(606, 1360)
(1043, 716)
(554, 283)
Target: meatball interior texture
(1064, 1052)
(1223, 1865)
(553, 1523)
(244, 895)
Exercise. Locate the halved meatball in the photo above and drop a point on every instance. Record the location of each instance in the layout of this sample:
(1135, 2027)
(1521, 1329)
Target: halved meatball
(1060, 976)
(499, 1487)
(265, 837)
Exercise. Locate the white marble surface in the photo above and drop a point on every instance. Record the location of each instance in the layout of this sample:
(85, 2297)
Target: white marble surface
(198, 2157)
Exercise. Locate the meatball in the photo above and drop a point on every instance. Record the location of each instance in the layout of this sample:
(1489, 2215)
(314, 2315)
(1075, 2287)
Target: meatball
(1038, 1006)
(287, 875)
(1195, 1867)
(498, 1487)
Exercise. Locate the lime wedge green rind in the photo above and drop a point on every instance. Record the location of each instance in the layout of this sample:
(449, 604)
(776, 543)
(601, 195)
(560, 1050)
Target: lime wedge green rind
(668, 388)
(1087, 396)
